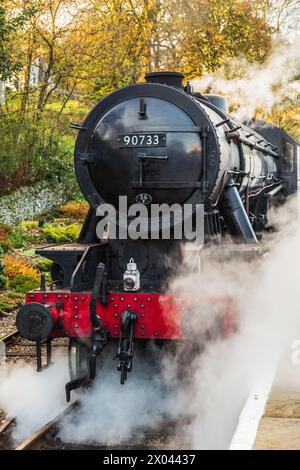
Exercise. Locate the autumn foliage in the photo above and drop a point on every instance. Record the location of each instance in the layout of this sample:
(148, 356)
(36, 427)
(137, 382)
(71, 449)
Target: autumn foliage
(59, 57)
(15, 266)
(74, 209)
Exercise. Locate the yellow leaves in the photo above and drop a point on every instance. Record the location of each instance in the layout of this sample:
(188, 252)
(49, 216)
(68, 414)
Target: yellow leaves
(285, 115)
(75, 209)
(218, 29)
(15, 266)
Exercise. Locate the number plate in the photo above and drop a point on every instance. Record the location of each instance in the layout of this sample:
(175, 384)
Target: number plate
(142, 140)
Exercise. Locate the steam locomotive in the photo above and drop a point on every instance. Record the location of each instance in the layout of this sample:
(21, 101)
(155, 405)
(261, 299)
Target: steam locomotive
(155, 143)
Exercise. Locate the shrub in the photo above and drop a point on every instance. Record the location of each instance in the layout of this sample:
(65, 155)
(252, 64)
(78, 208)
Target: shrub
(28, 224)
(15, 266)
(10, 300)
(24, 283)
(2, 274)
(4, 231)
(24, 233)
(5, 243)
(42, 151)
(75, 209)
(60, 234)
(17, 238)
(3, 281)
(43, 265)
(29, 253)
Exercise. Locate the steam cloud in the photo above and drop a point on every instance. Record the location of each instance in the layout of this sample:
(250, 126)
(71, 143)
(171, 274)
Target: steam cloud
(258, 86)
(268, 298)
(33, 398)
(220, 377)
(111, 414)
(206, 402)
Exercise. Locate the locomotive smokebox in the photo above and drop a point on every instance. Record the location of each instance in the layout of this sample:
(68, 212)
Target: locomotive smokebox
(34, 321)
(173, 79)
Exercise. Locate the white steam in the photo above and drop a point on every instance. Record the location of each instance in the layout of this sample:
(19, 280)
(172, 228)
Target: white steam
(206, 401)
(257, 85)
(32, 397)
(111, 413)
(219, 379)
(268, 298)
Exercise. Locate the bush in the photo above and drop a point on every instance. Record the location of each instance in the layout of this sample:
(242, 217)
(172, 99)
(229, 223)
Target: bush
(3, 281)
(43, 265)
(27, 232)
(75, 209)
(10, 300)
(24, 233)
(17, 238)
(29, 253)
(4, 231)
(42, 151)
(15, 266)
(24, 283)
(2, 274)
(29, 224)
(5, 243)
(60, 234)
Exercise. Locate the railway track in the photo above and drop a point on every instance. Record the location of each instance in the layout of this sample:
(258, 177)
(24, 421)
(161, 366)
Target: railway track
(39, 439)
(12, 345)
(4, 426)
(10, 338)
(7, 341)
(46, 438)
(6, 429)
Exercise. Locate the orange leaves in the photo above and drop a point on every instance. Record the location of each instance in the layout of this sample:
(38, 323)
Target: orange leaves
(75, 209)
(15, 266)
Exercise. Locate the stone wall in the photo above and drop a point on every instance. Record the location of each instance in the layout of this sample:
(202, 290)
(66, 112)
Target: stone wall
(28, 202)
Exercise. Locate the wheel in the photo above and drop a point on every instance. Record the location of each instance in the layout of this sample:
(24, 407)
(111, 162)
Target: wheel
(78, 357)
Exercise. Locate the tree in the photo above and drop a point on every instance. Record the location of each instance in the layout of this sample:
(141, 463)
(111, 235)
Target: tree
(214, 30)
(84, 49)
(47, 37)
(283, 15)
(9, 25)
(118, 42)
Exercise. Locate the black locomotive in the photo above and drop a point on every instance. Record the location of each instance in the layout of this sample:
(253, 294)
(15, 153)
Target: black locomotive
(155, 143)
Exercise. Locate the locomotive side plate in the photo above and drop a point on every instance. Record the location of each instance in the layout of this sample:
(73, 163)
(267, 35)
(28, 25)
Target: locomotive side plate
(148, 139)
